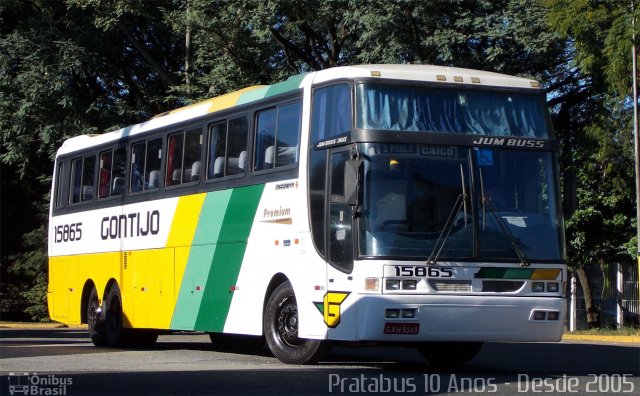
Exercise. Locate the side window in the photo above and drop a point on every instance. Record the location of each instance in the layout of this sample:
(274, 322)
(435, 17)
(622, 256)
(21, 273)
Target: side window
(174, 159)
(277, 136)
(183, 157)
(59, 183)
(146, 157)
(192, 167)
(104, 178)
(227, 148)
(331, 113)
(217, 147)
(237, 146)
(339, 231)
(82, 179)
(112, 170)
(119, 166)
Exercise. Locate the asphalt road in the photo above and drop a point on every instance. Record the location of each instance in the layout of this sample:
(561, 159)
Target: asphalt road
(64, 362)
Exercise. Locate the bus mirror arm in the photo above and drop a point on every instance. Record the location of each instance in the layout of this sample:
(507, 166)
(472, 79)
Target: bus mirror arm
(352, 172)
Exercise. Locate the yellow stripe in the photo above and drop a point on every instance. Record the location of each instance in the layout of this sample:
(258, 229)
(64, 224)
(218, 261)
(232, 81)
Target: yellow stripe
(181, 235)
(185, 220)
(545, 274)
(230, 99)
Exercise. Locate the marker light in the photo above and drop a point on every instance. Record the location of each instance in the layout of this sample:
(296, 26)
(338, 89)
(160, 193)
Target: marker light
(553, 315)
(371, 284)
(393, 284)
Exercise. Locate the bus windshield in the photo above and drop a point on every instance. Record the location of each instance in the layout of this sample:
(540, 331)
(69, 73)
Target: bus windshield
(412, 108)
(459, 203)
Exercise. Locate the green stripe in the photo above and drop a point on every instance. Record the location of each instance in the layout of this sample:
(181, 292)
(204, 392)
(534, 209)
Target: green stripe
(227, 258)
(291, 84)
(504, 273)
(201, 254)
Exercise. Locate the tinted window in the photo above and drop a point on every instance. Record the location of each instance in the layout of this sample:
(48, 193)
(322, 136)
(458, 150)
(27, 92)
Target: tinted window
(82, 179)
(277, 136)
(227, 148)
(331, 115)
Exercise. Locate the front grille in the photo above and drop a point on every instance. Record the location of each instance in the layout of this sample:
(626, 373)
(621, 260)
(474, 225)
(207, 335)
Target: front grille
(459, 286)
(499, 286)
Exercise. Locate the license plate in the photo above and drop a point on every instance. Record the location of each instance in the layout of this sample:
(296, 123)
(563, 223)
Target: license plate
(402, 328)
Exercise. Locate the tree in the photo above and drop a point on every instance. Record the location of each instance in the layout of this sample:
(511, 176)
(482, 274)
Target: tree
(594, 119)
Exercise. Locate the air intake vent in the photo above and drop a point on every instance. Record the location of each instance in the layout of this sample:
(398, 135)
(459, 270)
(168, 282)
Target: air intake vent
(459, 286)
(496, 286)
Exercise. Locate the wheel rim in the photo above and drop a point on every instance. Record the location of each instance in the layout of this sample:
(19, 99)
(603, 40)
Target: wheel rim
(287, 323)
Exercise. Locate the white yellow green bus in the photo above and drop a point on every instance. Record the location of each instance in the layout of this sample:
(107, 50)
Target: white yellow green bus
(404, 205)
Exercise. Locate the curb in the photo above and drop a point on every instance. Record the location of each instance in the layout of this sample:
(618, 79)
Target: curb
(35, 326)
(601, 338)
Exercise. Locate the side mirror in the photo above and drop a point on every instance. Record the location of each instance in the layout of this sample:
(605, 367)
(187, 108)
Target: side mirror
(351, 181)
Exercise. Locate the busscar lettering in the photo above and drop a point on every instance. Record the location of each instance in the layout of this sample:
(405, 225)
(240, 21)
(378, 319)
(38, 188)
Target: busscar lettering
(130, 225)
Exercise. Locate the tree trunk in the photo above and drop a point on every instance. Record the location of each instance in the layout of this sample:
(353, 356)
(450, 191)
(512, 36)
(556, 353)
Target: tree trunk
(593, 315)
(187, 57)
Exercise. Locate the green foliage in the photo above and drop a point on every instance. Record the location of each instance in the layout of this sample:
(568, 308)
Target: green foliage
(86, 66)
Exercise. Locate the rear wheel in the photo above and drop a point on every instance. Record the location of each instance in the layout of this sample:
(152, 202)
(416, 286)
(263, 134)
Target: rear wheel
(95, 320)
(281, 330)
(449, 354)
(115, 332)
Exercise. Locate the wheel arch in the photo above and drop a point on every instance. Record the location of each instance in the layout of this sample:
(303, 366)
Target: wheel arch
(84, 301)
(276, 281)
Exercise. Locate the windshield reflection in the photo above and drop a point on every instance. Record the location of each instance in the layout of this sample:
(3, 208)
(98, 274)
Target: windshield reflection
(411, 190)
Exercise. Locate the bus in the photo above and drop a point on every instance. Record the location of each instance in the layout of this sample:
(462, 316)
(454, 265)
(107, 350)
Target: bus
(408, 205)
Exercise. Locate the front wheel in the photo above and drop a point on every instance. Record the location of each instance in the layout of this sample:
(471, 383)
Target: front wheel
(449, 354)
(281, 330)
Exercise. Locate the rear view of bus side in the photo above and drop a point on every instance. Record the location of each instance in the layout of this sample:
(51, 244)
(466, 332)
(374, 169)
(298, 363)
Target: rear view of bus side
(379, 204)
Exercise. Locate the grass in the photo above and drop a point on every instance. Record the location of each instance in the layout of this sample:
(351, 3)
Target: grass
(625, 331)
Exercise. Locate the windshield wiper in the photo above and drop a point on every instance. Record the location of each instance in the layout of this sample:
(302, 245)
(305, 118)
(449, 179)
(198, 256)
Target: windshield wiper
(461, 202)
(493, 211)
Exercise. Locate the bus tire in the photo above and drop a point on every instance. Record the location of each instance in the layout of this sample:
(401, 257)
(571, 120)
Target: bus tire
(280, 322)
(95, 320)
(117, 335)
(449, 354)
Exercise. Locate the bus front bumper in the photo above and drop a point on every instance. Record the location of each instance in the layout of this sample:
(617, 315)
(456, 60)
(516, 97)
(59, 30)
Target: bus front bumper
(406, 318)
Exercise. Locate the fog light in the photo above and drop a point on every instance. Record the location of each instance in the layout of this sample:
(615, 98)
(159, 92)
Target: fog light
(393, 284)
(409, 284)
(371, 284)
(537, 287)
(391, 313)
(553, 287)
(539, 315)
(553, 315)
(408, 313)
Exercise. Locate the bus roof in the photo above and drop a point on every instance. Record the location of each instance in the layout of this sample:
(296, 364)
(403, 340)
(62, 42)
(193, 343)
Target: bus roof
(441, 74)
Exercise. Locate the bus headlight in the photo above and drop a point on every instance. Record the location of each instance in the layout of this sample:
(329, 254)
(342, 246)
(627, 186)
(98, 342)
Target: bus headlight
(537, 287)
(409, 284)
(553, 287)
(391, 313)
(393, 284)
